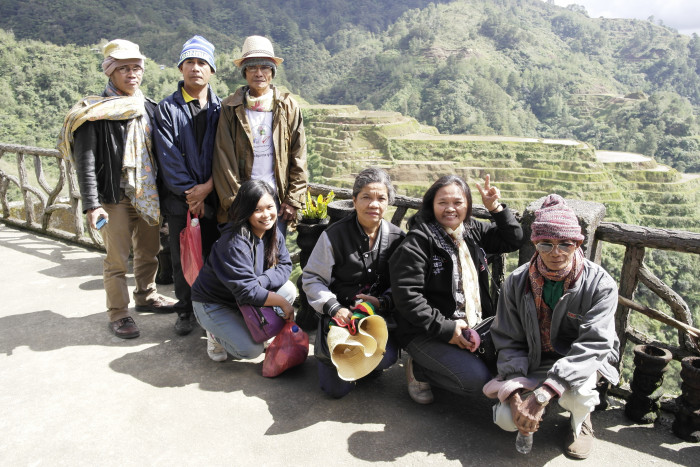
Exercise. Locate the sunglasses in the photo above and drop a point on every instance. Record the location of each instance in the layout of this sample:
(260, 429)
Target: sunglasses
(546, 247)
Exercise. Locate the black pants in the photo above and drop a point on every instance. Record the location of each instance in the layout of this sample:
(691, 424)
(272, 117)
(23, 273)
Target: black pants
(210, 233)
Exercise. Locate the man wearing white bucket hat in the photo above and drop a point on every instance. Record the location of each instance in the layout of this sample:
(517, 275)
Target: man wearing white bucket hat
(261, 136)
(108, 140)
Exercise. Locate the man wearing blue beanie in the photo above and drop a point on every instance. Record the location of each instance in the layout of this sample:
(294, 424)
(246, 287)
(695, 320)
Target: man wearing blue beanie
(186, 123)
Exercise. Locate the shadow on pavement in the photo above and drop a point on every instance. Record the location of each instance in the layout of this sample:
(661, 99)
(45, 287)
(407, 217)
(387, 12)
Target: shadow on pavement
(71, 260)
(392, 426)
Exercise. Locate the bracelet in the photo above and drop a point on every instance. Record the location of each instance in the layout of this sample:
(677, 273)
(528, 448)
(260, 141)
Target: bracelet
(494, 211)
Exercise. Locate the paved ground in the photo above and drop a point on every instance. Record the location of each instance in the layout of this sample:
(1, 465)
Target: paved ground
(72, 394)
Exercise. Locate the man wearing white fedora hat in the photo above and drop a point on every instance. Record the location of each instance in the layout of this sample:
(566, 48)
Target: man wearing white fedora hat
(261, 136)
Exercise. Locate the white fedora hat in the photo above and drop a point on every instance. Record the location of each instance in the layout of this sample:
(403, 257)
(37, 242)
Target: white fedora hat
(257, 47)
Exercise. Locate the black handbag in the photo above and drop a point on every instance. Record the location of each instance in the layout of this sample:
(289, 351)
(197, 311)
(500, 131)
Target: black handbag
(486, 350)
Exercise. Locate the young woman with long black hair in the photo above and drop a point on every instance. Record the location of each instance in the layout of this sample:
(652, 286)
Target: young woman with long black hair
(249, 264)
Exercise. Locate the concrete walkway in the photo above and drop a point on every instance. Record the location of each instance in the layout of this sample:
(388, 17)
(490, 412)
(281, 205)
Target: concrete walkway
(73, 394)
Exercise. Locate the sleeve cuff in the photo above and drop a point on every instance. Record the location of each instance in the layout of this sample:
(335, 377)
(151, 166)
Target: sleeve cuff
(331, 307)
(555, 386)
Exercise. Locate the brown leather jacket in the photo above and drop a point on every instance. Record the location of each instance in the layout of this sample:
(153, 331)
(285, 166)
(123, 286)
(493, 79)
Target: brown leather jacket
(233, 150)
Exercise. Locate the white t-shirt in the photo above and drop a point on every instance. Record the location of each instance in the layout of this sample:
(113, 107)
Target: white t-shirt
(263, 149)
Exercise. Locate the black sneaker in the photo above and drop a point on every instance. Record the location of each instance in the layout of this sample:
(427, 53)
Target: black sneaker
(184, 324)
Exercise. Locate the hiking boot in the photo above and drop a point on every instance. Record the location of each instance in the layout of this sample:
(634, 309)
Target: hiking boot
(125, 328)
(215, 350)
(419, 391)
(184, 324)
(160, 304)
(579, 447)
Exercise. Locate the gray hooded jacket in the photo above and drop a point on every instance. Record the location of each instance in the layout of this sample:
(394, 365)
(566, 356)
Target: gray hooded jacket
(583, 329)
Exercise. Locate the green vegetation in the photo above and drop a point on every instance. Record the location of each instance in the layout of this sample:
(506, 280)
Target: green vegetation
(398, 75)
(525, 68)
(317, 208)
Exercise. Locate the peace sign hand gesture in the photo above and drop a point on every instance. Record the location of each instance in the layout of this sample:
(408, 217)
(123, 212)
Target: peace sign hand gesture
(490, 195)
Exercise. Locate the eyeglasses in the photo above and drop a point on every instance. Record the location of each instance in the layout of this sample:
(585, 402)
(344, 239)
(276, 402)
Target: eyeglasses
(255, 69)
(126, 69)
(546, 247)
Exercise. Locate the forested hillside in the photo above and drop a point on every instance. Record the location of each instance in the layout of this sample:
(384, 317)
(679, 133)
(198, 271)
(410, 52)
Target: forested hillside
(508, 67)
(479, 67)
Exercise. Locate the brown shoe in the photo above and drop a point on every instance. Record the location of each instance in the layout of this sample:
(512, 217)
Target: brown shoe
(125, 328)
(160, 304)
(579, 447)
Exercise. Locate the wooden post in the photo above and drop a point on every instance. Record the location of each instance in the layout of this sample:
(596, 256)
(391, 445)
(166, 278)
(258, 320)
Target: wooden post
(634, 259)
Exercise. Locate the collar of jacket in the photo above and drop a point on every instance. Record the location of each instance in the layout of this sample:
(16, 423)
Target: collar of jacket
(239, 96)
(213, 100)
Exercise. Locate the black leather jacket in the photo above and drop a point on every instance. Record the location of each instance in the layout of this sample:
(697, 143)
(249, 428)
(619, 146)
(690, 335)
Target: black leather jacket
(98, 150)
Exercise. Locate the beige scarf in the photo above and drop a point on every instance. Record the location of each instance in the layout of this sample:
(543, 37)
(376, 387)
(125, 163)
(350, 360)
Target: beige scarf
(470, 279)
(138, 167)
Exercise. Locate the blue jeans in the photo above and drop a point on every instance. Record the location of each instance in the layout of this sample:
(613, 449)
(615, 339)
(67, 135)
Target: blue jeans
(331, 384)
(447, 366)
(227, 325)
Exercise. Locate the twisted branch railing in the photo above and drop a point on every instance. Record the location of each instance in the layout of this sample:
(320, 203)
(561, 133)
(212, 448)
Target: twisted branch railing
(40, 204)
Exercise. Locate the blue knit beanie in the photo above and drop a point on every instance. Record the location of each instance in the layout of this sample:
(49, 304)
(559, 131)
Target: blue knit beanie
(198, 47)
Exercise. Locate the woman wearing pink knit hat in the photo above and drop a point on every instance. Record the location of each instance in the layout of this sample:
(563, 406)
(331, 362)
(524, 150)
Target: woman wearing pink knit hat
(554, 332)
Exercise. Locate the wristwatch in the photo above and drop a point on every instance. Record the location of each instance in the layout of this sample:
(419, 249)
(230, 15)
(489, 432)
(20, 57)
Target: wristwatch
(541, 396)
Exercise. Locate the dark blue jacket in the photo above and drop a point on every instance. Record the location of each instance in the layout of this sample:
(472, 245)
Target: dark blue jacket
(236, 271)
(181, 166)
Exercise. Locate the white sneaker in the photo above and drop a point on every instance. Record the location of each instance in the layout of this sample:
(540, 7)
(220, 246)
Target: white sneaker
(215, 350)
(419, 391)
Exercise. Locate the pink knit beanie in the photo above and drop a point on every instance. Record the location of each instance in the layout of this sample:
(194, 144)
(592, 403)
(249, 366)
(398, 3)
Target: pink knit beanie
(555, 220)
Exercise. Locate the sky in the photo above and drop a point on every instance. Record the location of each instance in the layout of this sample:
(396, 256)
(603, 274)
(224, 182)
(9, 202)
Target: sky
(682, 15)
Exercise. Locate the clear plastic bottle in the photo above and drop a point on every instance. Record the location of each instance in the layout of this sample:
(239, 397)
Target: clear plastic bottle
(523, 443)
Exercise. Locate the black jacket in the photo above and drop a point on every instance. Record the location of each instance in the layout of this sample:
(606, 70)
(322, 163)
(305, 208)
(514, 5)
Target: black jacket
(236, 271)
(421, 275)
(98, 151)
(345, 245)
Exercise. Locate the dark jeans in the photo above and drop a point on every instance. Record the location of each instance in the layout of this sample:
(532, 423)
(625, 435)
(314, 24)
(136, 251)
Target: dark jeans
(447, 366)
(210, 233)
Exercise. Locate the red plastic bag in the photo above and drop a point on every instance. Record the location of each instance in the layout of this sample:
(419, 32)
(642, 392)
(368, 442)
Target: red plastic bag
(289, 349)
(191, 249)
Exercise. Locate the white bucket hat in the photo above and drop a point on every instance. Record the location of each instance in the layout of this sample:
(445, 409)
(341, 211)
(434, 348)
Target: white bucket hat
(257, 47)
(121, 49)
(356, 356)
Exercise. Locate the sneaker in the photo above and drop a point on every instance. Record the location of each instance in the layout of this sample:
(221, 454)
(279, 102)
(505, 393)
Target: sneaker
(125, 328)
(579, 447)
(184, 324)
(160, 304)
(215, 350)
(419, 391)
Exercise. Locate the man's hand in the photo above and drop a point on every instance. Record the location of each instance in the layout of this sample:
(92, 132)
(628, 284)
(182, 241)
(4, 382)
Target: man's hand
(287, 212)
(94, 214)
(527, 414)
(198, 193)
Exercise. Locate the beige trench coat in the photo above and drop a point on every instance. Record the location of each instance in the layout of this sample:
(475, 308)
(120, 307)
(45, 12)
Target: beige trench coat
(233, 150)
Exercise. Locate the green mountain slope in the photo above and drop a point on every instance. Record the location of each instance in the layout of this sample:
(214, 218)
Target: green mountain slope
(506, 67)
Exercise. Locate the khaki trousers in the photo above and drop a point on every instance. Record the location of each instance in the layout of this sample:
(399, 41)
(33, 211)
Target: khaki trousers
(126, 229)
